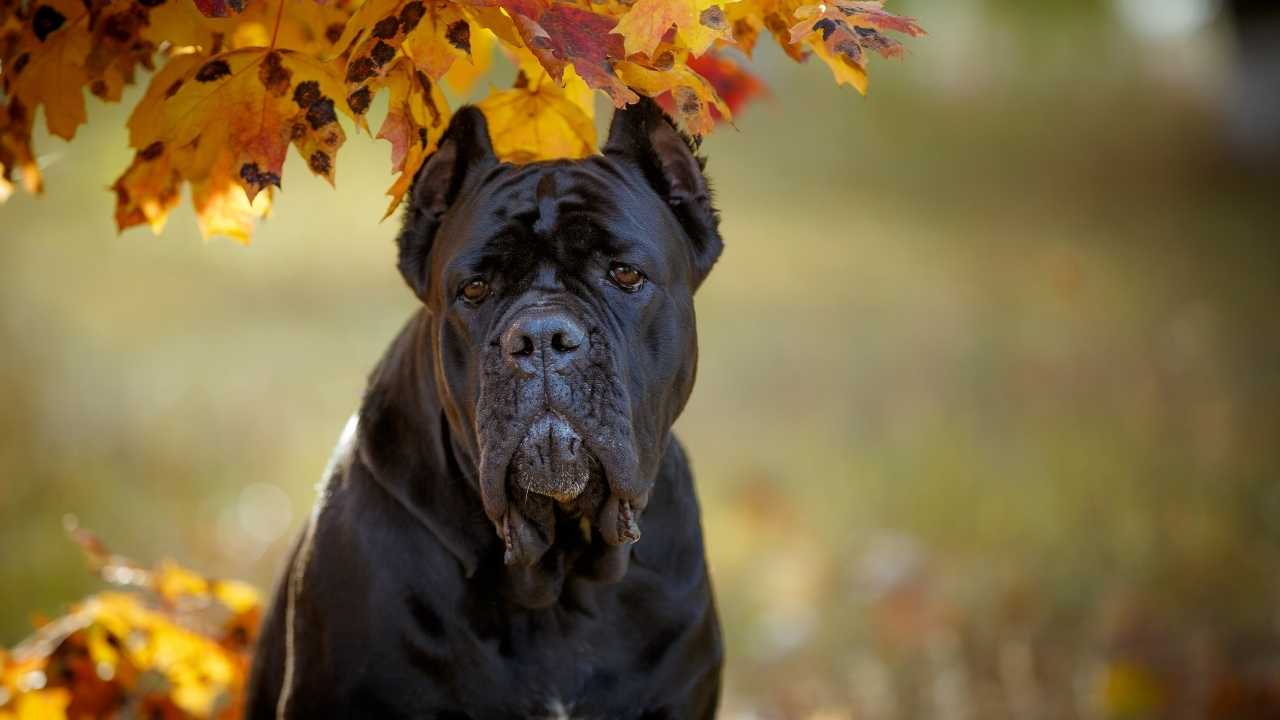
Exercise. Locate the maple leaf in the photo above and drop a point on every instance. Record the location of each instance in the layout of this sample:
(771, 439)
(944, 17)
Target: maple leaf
(410, 47)
(462, 76)
(539, 120)
(417, 115)
(693, 98)
(223, 209)
(300, 25)
(148, 190)
(745, 23)
(844, 69)
(48, 63)
(732, 82)
(492, 18)
(16, 156)
(775, 16)
(180, 24)
(560, 35)
(242, 80)
(224, 123)
(867, 14)
(248, 104)
(304, 25)
(117, 48)
(698, 24)
(443, 36)
(432, 33)
(220, 8)
(840, 32)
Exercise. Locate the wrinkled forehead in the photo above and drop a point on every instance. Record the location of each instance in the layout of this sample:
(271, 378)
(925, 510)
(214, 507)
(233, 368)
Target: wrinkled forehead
(570, 207)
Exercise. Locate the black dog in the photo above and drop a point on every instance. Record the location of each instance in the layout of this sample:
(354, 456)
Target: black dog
(474, 551)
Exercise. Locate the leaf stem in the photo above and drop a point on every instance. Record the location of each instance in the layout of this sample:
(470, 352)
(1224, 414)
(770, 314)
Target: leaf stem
(275, 31)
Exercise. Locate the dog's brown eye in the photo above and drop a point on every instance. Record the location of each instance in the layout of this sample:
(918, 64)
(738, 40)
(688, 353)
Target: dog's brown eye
(626, 277)
(475, 291)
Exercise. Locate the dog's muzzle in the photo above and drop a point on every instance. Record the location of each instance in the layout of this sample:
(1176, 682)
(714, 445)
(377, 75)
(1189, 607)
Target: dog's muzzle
(555, 434)
(552, 460)
(543, 345)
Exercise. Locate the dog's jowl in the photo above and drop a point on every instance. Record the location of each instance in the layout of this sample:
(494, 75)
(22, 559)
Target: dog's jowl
(508, 528)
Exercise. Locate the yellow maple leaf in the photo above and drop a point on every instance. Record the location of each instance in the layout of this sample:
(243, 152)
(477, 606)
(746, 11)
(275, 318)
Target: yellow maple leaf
(845, 71)
(223, 209)
(117, 48)
(462, 76)
(745, 22)
(539, 120)
(249, 104)
(442, 37)
(150, 187)
(148, 190)
(183, 26)
(48, 68)
(432, 33)
(493, 19)
(698, 24)
(303, 25)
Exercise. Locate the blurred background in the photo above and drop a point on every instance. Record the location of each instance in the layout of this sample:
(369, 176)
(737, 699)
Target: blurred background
(987, 417)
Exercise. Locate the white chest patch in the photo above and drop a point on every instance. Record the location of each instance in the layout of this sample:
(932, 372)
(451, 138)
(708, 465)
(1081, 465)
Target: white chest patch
(339, 461)
(557, 711)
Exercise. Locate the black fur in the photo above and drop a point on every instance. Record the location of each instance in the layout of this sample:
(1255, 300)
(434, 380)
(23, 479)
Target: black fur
(475, 555)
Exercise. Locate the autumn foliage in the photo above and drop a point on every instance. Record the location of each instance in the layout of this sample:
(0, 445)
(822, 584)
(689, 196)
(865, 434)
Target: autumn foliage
(166, 643)
(231, 84)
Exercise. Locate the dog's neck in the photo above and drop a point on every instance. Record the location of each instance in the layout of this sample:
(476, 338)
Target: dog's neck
(404, 440)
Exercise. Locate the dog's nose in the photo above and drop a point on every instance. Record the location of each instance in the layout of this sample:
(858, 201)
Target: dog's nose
(543, 338)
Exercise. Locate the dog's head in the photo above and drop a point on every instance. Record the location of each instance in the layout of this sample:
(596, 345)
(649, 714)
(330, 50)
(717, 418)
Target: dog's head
(563, 340)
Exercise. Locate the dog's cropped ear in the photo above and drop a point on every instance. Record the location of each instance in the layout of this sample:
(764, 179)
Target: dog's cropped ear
(464, 150)
(643, 135)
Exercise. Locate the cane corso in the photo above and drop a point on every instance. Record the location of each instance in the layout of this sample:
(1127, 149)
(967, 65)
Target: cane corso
(508, 528)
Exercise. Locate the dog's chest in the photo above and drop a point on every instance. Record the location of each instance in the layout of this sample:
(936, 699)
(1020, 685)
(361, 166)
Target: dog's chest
(557, 711)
